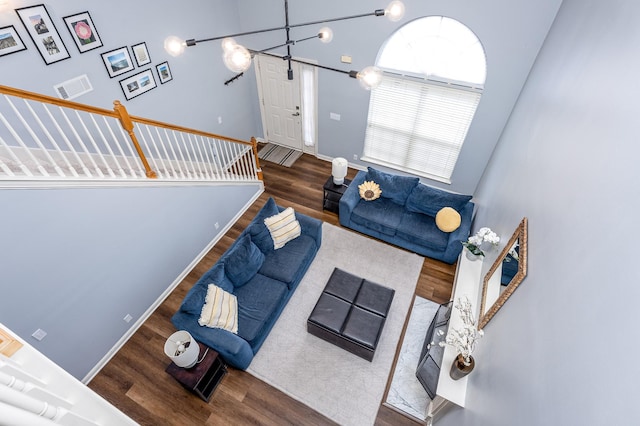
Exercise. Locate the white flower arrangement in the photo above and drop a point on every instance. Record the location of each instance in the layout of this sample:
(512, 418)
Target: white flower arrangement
(464, 339)
(484, 235)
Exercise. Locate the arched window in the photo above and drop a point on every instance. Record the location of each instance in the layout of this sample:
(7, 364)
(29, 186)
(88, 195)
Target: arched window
(434, 72)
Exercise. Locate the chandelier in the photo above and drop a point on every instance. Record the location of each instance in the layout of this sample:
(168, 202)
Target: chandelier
(238, 58)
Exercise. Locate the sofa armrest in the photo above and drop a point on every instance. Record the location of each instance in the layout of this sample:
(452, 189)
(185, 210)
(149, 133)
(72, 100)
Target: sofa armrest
(350, 198)
(310, 226)
(454, 246)
(233, 348)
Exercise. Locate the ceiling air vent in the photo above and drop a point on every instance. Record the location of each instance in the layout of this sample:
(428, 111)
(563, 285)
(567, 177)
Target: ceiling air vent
(73, 88)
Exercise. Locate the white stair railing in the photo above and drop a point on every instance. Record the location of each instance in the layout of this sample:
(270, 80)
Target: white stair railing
(45, 138)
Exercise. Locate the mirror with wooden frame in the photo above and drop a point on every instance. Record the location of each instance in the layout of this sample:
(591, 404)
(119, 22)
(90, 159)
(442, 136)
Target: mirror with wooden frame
(505, 275)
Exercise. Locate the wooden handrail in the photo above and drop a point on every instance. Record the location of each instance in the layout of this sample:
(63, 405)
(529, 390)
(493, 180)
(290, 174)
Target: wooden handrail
(19, 93)
(149, 122)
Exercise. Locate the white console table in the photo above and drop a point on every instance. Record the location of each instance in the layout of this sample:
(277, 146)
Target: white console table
(467, 282)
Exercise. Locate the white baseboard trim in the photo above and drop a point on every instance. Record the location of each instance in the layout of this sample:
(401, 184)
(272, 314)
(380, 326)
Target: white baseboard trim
(329, 159)
(120, 343)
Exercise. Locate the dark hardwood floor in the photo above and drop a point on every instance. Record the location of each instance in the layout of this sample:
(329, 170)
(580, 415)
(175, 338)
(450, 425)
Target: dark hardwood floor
(135, 380)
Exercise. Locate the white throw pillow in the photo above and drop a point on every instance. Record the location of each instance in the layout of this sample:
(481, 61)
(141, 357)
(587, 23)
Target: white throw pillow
(220, 310)
(283, 227)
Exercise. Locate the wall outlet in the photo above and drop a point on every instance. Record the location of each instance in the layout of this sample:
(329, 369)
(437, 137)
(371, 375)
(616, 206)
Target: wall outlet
(334, 116)
(219, 119)
(355, 157)
(127, 318)
(217, 225)
(39, 334)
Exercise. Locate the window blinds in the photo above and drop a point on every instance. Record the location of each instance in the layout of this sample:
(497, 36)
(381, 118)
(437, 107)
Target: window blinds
(418, 126)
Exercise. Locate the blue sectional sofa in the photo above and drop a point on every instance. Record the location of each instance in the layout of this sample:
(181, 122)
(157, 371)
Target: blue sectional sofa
(405, 214)
(263, 280)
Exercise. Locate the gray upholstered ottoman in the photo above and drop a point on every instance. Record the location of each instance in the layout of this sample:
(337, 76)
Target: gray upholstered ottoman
(351, 313)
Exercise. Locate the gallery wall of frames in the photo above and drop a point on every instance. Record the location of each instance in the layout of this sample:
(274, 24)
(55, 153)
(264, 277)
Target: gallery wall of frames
(131, 67)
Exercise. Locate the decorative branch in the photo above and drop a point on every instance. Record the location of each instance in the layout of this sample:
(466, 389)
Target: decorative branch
(464, 339)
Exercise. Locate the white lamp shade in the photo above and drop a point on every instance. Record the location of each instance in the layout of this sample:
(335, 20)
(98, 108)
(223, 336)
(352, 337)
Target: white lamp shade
(182, 348)
(339, 170)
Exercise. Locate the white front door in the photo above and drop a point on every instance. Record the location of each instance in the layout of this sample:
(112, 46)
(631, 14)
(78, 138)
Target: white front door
(280, 102)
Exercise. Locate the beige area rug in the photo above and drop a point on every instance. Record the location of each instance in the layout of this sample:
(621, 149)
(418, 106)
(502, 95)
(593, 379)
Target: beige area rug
(332, 381)
(279, 154)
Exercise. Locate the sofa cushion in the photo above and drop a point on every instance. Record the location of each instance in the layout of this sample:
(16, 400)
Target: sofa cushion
(220, 310)
(382, 215)
(395, 187)
(283, 227)
(259, 232)
(244, 260)
(428, 200)
(216, 275)
(257, 301)
(421, 229)
(287, 264)
(195, 298)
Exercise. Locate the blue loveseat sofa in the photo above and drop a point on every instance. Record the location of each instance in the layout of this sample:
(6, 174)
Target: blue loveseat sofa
(405, 214)
(263, 280)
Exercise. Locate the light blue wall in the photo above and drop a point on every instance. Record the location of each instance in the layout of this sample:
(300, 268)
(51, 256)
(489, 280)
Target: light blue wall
(562, 350)
(511, 31)
(74, 262)
(196, 96)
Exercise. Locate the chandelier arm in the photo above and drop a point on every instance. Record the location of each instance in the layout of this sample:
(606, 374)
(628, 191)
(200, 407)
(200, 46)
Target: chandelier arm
(194, 41)
(350, 73)
(378, 12)
(286, 21)
(288, 43)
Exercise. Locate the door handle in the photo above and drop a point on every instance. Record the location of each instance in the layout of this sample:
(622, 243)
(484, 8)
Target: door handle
(296, 114)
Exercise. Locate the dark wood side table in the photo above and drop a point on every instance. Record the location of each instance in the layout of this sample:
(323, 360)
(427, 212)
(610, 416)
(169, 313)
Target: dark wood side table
(333, 193)
(204, 377)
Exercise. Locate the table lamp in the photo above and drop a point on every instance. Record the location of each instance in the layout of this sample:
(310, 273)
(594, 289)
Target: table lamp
(339, 170)
(182, 348)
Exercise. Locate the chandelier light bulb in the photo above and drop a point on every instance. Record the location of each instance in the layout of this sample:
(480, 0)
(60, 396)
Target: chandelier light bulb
(228, 43)
(395, 11)
(174, 46)
(370, 77)
(237, 58)
(325, 34)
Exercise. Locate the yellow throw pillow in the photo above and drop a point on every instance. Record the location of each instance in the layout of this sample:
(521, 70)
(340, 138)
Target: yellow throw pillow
(220, 310)
(369, 190)
(283, 227)
(448, 219)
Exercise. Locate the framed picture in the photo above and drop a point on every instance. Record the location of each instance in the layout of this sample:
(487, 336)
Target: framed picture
(10, 41)
(141, 54)
(164, 72)
(83, 32)
(44, 34)
(138, 84)
(117, 61)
